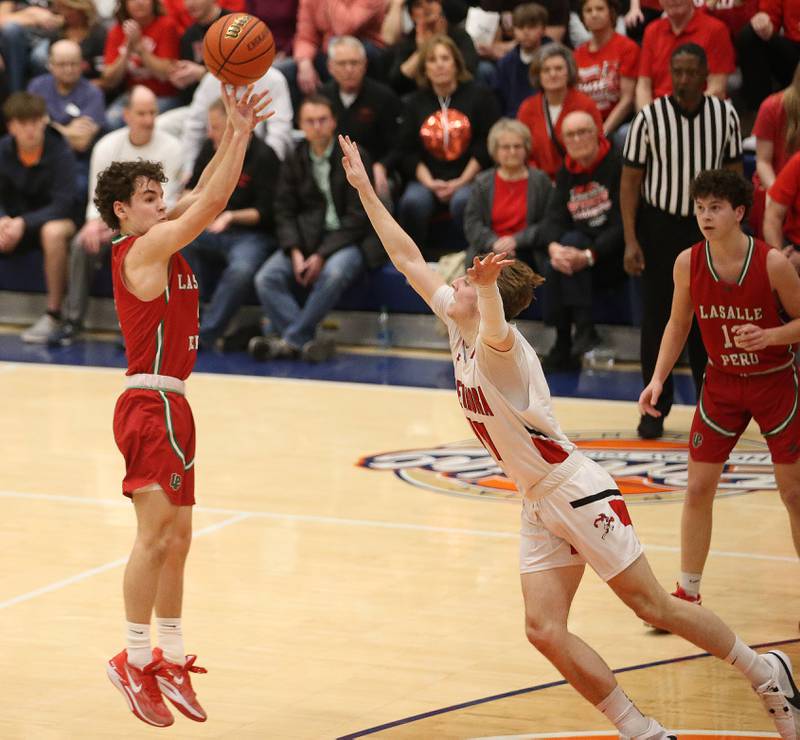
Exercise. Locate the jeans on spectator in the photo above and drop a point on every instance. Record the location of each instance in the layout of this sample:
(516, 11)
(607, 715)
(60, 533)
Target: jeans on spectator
(21, 49)
(418, 204)
(82, 268)
(243, 251)
(275, 285)
(761, 61)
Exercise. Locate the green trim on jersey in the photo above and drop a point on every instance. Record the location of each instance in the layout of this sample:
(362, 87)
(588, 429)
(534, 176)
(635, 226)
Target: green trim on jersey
(747, 260)
(788, 420)
(118, 239)
(171, 431)
(160, 337)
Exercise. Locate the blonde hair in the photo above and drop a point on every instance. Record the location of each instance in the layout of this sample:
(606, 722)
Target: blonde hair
(508, 126)
(440, 39)
(791, 104)
(516, 283)
(87, 7)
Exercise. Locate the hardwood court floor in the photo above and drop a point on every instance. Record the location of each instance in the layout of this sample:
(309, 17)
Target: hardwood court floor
(326, 597)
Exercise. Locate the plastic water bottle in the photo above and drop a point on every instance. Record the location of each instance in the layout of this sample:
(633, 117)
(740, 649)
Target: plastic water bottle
(384, 335)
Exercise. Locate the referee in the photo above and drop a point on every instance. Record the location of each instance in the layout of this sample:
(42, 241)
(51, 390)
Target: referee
(669, 142)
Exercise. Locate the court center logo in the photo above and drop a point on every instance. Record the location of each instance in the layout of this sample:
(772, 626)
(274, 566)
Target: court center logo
(645, 471)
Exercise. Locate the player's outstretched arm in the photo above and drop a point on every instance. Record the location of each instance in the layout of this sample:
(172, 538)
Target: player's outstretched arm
(785, 282)
(400, 247)
(493, 329)
(167, 237)
(675, 334)
(192, 195)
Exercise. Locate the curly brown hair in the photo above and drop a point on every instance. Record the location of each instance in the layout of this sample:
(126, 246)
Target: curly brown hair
(516, 283)
(725, 185)
(118, 183)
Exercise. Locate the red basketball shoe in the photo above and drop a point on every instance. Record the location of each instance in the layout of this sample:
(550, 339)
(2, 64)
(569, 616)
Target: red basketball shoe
(176, 684)
(140, 689)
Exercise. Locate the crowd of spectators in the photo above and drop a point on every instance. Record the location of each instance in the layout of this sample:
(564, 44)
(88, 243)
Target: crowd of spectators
(608, 112)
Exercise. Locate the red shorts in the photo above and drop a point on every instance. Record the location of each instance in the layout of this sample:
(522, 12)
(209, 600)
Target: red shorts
(728, 402)
(154, 431)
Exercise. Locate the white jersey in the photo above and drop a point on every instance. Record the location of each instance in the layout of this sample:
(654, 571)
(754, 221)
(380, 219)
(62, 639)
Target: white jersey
(505, 398)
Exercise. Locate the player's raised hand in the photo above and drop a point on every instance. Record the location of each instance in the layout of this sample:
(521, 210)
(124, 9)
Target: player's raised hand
(649, 398)
(354, 168)
(485, 271)
(246, 112)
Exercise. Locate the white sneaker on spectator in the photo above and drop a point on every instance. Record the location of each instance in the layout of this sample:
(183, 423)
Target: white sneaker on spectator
(41, 331)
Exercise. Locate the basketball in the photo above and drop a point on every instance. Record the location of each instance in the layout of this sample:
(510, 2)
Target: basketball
(238, 48)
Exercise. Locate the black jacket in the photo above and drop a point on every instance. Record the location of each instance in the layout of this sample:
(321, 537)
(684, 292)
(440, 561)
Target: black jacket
(472, 99)
(300, 209)
(257, 183)
(589, 203)
(372, 120)
(44, 192)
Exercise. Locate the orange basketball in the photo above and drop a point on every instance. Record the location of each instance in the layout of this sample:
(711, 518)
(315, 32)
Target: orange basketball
(238, 48)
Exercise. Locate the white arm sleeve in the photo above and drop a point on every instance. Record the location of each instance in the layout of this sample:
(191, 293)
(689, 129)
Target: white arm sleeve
(493, 328)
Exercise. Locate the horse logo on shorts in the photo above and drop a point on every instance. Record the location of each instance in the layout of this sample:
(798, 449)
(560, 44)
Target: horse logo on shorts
(606, 522)
(175, 481)
(697, 439)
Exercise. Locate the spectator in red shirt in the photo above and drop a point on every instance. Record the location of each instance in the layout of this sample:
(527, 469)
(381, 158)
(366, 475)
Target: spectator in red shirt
(782, 215)
(769, 48)
(607, 64)
(777, 132)
(141, 49)
(682, 24)
(554, 73)
(735, 14)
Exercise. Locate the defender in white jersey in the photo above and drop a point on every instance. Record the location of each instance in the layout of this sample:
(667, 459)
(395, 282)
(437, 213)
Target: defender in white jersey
(572, 512)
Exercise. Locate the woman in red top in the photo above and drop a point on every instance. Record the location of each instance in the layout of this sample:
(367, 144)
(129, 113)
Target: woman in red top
(140, 50)
(553, 71)
(507, 202)
(777, 132)
(607, 64)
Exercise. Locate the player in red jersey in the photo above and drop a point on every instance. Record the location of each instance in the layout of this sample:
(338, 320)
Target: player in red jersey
(572, 513)
(156, 298)
(737, 287)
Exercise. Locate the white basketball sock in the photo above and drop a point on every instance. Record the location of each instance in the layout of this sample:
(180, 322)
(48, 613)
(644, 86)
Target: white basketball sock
(690, 583)
(138, 641)
(623, 714)
(170, 639)
(748, 661)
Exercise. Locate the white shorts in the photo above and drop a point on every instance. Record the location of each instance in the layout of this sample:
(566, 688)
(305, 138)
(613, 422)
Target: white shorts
(584, 520)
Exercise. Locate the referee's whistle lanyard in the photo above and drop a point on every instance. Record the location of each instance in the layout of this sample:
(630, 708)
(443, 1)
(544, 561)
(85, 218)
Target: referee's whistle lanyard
(444, 106)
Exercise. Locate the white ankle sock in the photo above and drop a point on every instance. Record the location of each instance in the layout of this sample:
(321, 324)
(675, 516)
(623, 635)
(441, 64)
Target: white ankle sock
(623, 714)
(749, 662)
(138, 640)
(170, 639)
(690, 583)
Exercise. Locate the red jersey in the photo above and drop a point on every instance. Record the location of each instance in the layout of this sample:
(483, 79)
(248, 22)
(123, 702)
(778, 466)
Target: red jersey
(786, 191)
(600, 72)
(720, 306)
(160, 335)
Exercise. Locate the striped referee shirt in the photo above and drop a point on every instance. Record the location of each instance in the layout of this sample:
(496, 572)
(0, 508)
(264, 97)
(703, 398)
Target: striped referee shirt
(673, 146)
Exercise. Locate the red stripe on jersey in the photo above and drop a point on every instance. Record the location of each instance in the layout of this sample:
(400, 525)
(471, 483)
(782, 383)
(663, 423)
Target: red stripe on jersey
(160, 335)
(550, 451)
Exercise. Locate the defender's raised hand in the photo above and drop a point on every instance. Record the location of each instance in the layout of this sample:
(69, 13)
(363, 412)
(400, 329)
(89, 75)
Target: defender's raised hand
(353, 166)
(485, 271)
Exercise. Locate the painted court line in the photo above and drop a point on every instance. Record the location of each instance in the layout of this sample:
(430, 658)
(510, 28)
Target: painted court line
(342, 521)
(49, 588)
(605, 733)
